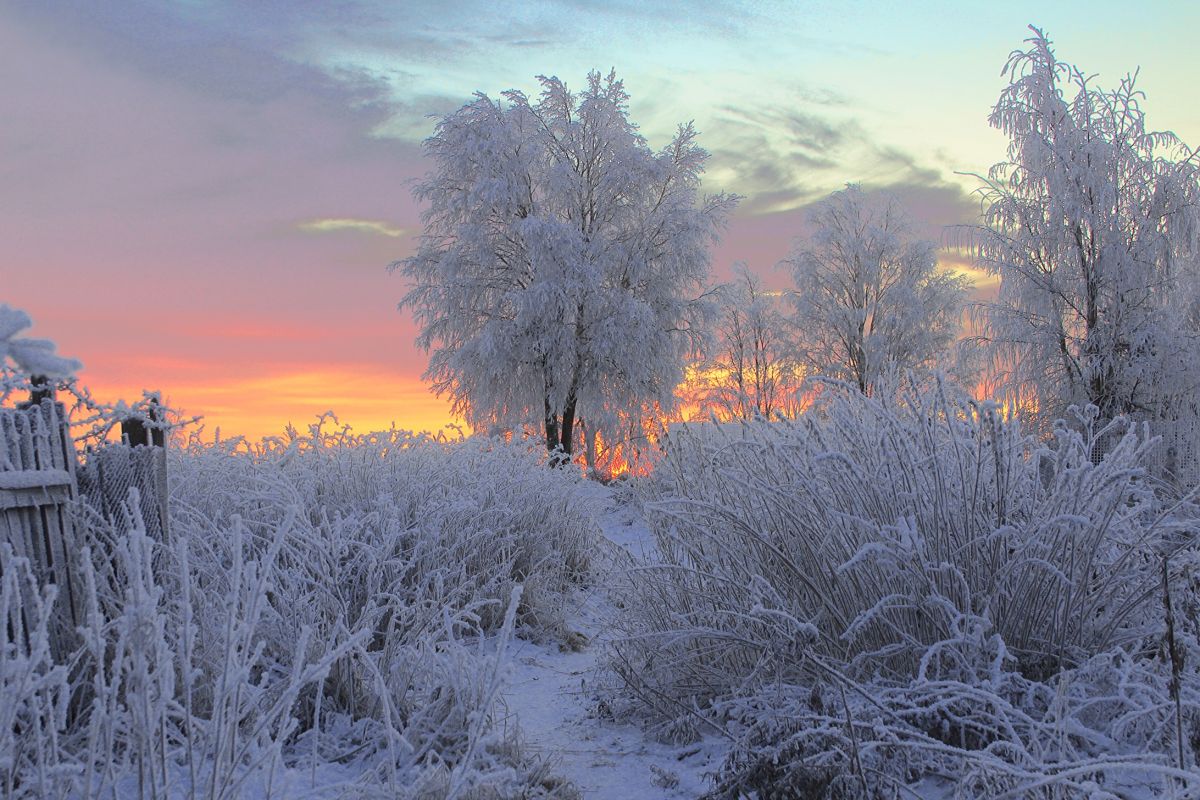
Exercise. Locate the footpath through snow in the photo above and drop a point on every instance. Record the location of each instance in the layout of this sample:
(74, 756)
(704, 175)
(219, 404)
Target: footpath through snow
(550, 696)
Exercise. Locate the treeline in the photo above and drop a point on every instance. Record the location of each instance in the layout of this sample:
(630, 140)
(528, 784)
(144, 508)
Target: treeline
(562, 279)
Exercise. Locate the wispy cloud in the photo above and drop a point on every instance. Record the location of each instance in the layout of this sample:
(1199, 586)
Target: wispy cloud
(332, 224)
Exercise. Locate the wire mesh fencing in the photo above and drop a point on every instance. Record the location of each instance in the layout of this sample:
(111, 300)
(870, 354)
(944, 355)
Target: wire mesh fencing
(111, 471)
(1175, 457)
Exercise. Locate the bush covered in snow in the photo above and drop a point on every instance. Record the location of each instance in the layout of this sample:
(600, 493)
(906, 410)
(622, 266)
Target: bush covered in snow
(312, 626)
(440, 526)
(906, 586)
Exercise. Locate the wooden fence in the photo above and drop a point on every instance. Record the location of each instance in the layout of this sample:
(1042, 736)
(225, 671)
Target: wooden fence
(37, 487)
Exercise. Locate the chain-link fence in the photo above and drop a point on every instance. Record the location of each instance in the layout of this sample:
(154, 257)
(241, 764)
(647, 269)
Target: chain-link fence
(1175, 457)
(111, 471)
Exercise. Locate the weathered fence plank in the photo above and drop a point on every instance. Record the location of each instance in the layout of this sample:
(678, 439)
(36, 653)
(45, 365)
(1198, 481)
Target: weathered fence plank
(37, 486)
(41, 485)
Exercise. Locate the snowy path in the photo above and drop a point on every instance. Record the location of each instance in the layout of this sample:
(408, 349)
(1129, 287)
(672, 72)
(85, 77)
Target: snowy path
(550, 697)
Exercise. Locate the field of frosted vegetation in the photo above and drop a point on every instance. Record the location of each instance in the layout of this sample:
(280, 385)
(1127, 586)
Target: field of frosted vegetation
(317, 617)
(862, 587)
(886, 598)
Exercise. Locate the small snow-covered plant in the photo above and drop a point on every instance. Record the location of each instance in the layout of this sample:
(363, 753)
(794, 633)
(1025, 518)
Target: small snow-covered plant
(919, 544)
(21, 359)
(34, 690)
(29, 356)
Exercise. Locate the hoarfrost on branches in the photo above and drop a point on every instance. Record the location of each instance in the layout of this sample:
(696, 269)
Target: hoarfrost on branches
(561, 270)
(29, 356)
(1091, 226)
(315, 627)
(752, 370)
(870, 298)
(901, 586)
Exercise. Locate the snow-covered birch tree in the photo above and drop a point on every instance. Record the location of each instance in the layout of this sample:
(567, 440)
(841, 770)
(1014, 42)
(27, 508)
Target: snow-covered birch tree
(869, 296)
(1091, 226)
(562, 266)
(752, 370)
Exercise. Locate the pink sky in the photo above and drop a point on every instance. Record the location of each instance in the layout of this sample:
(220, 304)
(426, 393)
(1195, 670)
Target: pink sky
(204, 200)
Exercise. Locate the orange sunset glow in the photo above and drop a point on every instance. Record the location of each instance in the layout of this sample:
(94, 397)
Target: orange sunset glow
(256, 407)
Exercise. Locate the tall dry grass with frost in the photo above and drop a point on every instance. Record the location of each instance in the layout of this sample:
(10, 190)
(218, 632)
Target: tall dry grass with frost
(907, 585)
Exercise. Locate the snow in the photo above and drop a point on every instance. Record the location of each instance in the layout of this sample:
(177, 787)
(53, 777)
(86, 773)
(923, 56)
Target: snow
(554, 706)
(550, 694)
(34, 479)
(562, 270)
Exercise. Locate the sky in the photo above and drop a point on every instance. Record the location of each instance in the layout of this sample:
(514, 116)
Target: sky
(203, 197)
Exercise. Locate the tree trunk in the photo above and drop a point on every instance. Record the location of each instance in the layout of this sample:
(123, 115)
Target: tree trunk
(568, 427)
(589, 450)
(552, 441)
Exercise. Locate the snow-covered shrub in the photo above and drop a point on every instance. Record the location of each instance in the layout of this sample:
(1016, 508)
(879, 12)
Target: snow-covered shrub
(436, 527)
(34, 691)
(999, 735)
(416, 541)
(914, 565)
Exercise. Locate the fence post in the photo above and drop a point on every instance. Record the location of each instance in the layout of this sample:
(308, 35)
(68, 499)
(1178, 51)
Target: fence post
(150, 432)
(137, 431)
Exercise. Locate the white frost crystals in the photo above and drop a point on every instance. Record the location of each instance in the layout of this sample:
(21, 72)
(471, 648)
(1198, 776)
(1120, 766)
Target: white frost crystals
(1092, 226)
(561, 272)
(870, 299)
(329, 620)
(30, 356)
(889, 589)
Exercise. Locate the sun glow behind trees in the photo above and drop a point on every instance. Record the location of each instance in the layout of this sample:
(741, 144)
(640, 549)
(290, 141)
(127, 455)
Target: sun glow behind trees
(1087, 189)
(369, 395)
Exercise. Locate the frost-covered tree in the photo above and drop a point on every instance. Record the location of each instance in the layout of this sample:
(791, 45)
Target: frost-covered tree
(1091, 226)
(752, 370)
(561, 268)
(870, 298)
(21, 359)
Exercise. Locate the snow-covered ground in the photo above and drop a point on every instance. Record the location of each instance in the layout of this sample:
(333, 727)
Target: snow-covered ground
(550, 694)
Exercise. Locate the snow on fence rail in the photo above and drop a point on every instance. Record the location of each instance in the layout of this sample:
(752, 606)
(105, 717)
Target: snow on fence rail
(37, 486)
